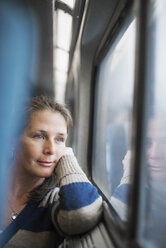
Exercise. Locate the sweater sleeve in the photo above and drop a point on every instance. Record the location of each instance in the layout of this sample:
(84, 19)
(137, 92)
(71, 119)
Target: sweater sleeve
(80, 206)
(120, 197)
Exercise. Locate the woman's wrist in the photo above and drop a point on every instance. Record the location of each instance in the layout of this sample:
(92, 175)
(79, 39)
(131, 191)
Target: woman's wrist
(68, 170)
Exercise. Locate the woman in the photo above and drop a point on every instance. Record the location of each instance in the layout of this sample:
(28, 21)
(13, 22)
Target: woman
(50, 197)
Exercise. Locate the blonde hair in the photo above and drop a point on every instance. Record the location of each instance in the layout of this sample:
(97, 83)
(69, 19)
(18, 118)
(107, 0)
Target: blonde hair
(40, 103)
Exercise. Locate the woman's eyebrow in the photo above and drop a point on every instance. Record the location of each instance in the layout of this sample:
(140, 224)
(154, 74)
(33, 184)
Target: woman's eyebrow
(41, 131)
(59, 134)
(62, 134)
(44, 132)
(38, 131)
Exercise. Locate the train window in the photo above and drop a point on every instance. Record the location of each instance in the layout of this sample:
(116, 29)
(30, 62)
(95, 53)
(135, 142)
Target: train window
(152, 217)
(62, 42)
(113, 109)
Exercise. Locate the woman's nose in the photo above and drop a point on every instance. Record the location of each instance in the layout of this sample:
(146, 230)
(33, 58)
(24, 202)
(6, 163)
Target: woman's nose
(50, 148)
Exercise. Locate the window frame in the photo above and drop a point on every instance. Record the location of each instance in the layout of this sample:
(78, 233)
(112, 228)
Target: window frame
(110, 49)
(118, 231)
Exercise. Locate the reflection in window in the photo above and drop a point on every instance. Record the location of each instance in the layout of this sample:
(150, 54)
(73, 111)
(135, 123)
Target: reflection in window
(114, 100)
(152, 219)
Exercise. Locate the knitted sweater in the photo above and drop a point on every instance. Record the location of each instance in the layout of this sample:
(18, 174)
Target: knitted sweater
(70, 209)
(120, 197)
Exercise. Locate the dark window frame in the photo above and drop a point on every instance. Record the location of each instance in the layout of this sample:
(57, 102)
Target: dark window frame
(117, 229)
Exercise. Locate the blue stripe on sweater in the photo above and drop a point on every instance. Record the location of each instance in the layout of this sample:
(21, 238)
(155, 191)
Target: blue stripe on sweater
(121, 193)
(77, 195)
(31, 218)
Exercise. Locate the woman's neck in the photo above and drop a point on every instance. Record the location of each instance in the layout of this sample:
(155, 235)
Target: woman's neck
(17, 194)
(22, 184)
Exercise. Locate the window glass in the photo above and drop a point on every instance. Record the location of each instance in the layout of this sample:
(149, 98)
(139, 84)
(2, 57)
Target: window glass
(113, 108)
(152, 217)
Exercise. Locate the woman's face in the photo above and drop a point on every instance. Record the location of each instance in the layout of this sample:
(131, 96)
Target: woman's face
(156, 149)
(41, 143)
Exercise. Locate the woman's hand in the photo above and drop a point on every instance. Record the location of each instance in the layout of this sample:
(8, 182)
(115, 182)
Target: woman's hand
(64, 151)
(126, 168)
(126, 161)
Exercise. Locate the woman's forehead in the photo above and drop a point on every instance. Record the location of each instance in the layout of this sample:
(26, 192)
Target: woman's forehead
(156, 127)
(46, 117)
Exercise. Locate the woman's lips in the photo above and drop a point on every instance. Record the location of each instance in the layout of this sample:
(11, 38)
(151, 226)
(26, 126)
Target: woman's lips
(155, 165)
(45, 163)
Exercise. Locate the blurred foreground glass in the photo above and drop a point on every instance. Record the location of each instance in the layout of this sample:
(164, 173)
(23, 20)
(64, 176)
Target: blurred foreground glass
(18, 64)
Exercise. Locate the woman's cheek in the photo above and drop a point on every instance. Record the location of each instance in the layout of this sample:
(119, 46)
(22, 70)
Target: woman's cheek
(31, 150)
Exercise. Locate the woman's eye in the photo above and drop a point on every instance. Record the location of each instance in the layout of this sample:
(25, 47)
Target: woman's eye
(148, 142)
(60, 140)
(38, 136)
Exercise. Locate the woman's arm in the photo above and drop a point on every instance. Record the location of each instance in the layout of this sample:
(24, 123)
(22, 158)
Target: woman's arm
(80, 206)
(119, 199)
